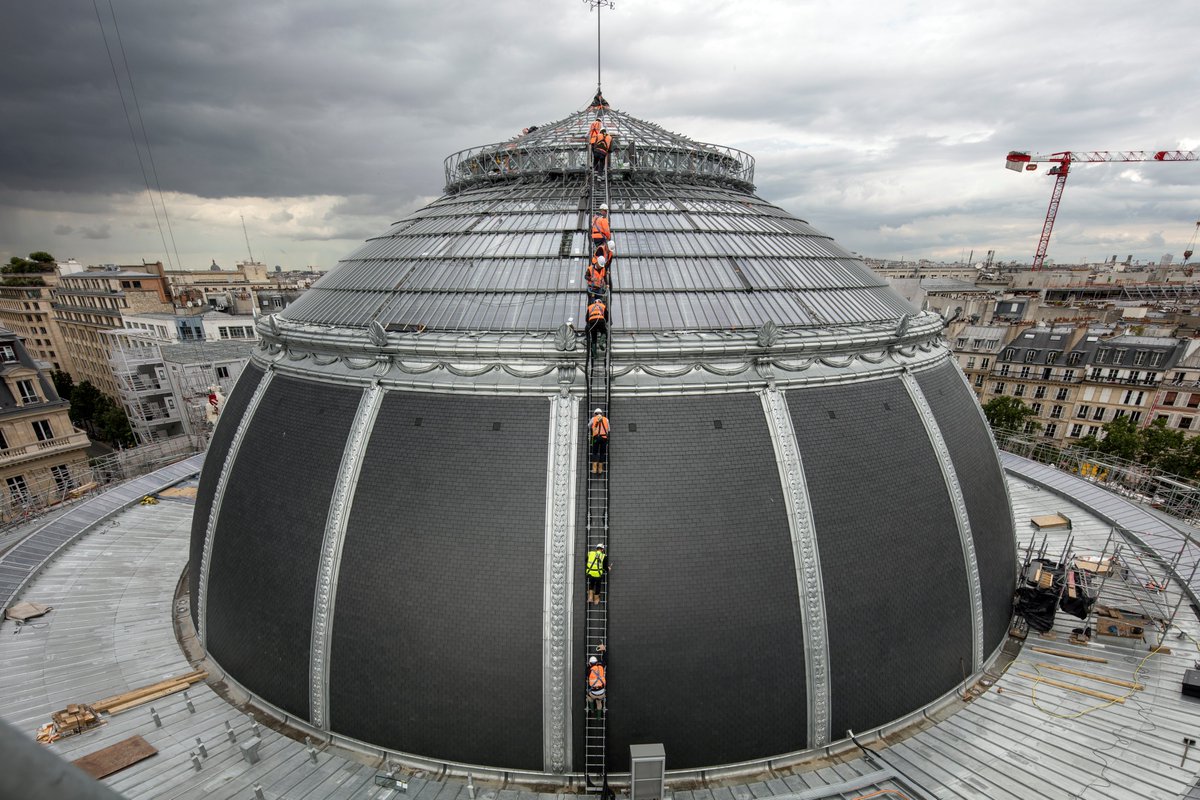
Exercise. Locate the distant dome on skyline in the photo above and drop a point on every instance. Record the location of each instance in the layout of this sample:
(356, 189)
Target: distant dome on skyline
(390, 525)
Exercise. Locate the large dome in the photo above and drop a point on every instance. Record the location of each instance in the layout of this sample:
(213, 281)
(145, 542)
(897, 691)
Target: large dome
(809, 528)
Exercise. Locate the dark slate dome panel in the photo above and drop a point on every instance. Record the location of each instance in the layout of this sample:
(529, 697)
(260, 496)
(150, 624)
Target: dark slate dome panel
(706, 637)
(206, 490)
(437, 633)
(891, 557)
(982, 480)
(271, 524)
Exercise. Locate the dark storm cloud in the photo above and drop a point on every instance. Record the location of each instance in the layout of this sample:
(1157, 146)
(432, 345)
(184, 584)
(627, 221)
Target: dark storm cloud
(101, 232)
(885, 124)
(63, 230)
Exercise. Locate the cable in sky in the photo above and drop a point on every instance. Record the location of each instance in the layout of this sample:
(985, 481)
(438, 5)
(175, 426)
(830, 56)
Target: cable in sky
(145, 137)
(132, 135)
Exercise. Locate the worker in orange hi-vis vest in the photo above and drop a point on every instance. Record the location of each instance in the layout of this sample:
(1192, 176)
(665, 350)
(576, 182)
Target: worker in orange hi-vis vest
(597, 278)
(597, 326)
(601, 231)
(600, 149)
(604, 249)
(599, 430)
(597, 681)
(594, 131)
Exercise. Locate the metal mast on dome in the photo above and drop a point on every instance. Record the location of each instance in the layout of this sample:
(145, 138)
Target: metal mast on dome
(596, 5)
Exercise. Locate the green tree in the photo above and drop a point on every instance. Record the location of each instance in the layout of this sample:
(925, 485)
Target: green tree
(1008, 413)
(38, 261)
(1158, 443)
(64, 384)
(113, 426)
(41, 257)
(1121, 439)
(86, 401)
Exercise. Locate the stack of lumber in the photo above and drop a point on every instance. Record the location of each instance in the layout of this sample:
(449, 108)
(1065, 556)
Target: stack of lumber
(131, 699)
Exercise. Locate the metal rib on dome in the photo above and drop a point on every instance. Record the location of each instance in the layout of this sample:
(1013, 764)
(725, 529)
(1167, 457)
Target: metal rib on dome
(640, 149)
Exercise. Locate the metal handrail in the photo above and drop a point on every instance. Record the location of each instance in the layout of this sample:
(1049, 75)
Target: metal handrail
(509, 160)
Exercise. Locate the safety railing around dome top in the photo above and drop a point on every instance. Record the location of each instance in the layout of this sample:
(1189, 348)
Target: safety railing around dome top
(510, 160)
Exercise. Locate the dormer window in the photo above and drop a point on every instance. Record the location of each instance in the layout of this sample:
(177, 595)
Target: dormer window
(8, 353)
(28, 393)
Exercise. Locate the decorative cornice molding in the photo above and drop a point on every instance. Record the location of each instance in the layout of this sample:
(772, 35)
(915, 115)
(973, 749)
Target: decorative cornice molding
(558, 579)
(218, 496)
(331, 554)
(808, 566)
(959, 503)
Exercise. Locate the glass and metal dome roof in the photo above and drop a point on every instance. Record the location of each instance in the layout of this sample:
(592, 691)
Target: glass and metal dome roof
(503, 251)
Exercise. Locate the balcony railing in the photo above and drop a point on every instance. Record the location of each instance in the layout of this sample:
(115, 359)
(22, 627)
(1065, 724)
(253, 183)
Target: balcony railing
(13, 455)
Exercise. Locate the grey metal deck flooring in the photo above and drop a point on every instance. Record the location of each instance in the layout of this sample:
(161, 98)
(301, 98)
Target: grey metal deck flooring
(23, 560)
(111, 631)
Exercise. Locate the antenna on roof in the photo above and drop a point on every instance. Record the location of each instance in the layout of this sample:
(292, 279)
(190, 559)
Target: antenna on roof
(247, 235)
(596, 5)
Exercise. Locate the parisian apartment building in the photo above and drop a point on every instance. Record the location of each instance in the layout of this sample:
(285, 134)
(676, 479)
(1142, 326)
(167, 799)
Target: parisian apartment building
(43, 457)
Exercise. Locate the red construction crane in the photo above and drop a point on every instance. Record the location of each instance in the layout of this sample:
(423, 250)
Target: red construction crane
(1019, 162)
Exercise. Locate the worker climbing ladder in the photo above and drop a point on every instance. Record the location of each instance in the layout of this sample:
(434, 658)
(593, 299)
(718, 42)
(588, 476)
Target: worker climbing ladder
(597, 499)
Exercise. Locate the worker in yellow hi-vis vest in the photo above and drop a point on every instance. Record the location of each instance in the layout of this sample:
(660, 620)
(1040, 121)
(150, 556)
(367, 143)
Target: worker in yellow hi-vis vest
(597, 568)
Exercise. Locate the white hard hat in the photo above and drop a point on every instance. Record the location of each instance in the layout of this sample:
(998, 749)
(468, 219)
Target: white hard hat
(604, 206)
(600, 546)
(593, 660)
(601, 260)
(598, 411)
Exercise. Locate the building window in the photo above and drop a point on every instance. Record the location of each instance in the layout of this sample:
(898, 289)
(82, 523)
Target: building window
(1139, 357)
(961, 343)
(1163, 418)
(1132, 398)
(1052, 356)
(1039, 392)
(28, 393)
(979, 381)
(1156, 359)
(1076, 431)
(1169, 398)
(1185, 422)
(1178, 378)
(985, 363)
(1074, 358)
(1019, 391)
(1083, 411)
(62, 478)
(1093, 430)
(7, 353)
(1112, 374)
(1050, 429)
(1010, 354)
(1068, 375)
(1099, 415)
(222, 372)
(1061, 394)
(1030, 355)
(971, 362)
(1194, 401)
(1135, 376)
(999, 387)
(1036, 408)
(1136, 416)
(3, 441)
(1119, 413)
(1029, 426)
(41, 429)
(17, 489)
(1102, 356)
(1024, 373)
(1119, 358)
(1004, 370)
(1056, 412)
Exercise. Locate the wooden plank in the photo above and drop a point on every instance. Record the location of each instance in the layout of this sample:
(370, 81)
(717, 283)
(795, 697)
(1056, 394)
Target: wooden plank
(116, 757)
(1047, 521)
(1112, 698)
(1065, 654)
(125, 697)
(1094, 677)
(137, 701)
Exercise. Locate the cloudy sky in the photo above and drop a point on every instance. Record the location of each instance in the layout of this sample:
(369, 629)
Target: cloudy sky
(885, 124)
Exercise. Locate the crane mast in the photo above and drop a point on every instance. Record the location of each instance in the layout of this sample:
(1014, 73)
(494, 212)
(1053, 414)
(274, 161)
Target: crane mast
(1020, 162)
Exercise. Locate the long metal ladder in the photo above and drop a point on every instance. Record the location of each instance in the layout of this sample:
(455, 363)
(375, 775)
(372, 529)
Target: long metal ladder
(598, 392)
